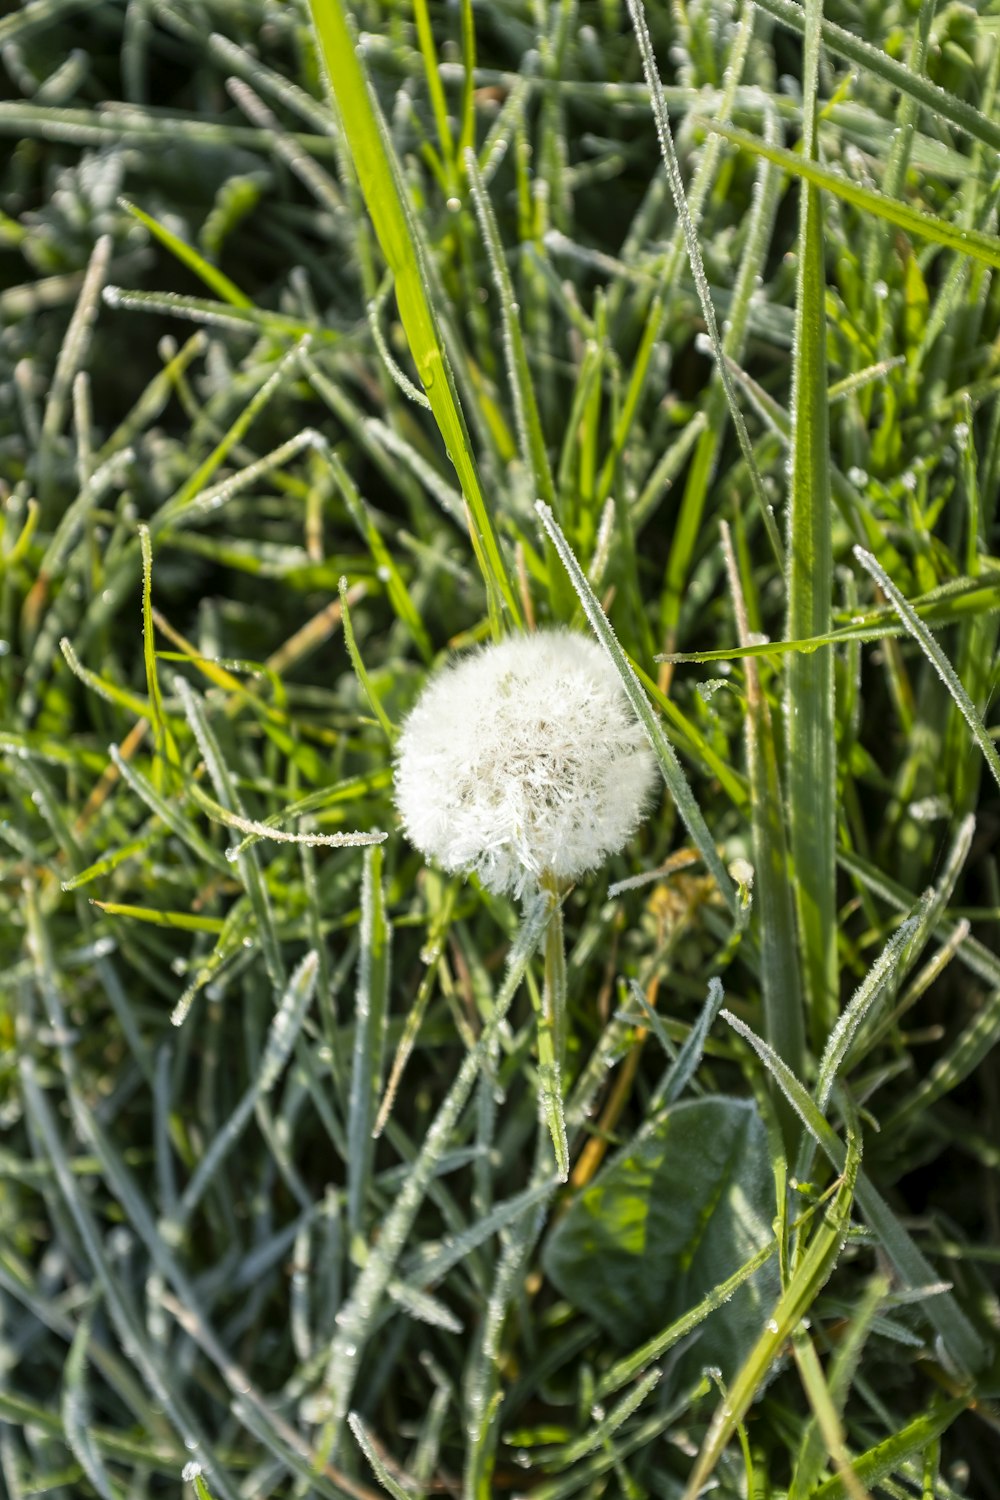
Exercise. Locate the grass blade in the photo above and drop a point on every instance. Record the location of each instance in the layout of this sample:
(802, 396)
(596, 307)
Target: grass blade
(385, 196)
(662, 748)
(809, 699)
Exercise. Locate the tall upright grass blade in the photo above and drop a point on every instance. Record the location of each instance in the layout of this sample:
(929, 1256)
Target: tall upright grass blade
(662, 119)
(809, 699)
(399, 236)
(780, 981)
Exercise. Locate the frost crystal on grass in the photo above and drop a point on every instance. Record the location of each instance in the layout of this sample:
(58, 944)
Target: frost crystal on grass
(523, 760)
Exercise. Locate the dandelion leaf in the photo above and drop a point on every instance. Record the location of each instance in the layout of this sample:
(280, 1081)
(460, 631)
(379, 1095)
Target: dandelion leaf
(672, 1216)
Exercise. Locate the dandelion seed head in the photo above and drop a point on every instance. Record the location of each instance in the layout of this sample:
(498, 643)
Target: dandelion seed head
(523, 759)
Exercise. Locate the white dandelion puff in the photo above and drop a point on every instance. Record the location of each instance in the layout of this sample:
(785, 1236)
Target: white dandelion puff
(523, 760)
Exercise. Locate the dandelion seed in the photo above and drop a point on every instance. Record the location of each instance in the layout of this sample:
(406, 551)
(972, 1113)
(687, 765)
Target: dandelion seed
(523, 760)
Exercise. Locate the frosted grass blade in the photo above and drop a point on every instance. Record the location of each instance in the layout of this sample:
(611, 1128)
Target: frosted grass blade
(942, 666)
(662, 748)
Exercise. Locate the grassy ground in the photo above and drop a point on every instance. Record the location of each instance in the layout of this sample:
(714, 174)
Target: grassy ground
(283, 374)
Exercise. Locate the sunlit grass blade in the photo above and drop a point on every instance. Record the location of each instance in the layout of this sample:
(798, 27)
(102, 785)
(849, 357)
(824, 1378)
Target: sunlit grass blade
(386, 198)
(913, 221)
(813, 1449)
(214, 279)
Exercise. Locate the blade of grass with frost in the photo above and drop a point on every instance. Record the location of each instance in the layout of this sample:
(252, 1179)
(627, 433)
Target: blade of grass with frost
(957, 1334)
(130, 1327)
(662, 119)
(813, 1270)
(528, 423)
(360, 670)
(263, 831)
(688, 526)
(370, 1016)
(483, 1395)
(702, 181)
(683, 1068)
(385, 195)
(278, 1048)
(76, 1412)
(881, 976)
(217, 315)
(914, 221)
(920, 633)
(370, 1451)
(604, 1429)
(170, 814)
(357, 1318)
(965, 1054)
(662, 748)
(629, 1365)
(199, 480)
(896, 74)
(780, 979)
(809, 688)
(185, 1306)
(247, 864)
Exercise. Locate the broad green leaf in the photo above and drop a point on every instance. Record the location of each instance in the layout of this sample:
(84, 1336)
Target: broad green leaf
(668, 1220)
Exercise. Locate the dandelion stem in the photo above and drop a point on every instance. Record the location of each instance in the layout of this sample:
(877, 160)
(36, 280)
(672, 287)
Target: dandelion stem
(552, 1027)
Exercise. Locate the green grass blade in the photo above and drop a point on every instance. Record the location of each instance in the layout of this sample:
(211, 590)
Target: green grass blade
(896, 74)
(662, 748)
(914, 221)
(811, 1274)
(214, 279)
(370, 1016)
(809, 697)
(886, 1457)
(942, 666)
(385, 196)
(956, 1332)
